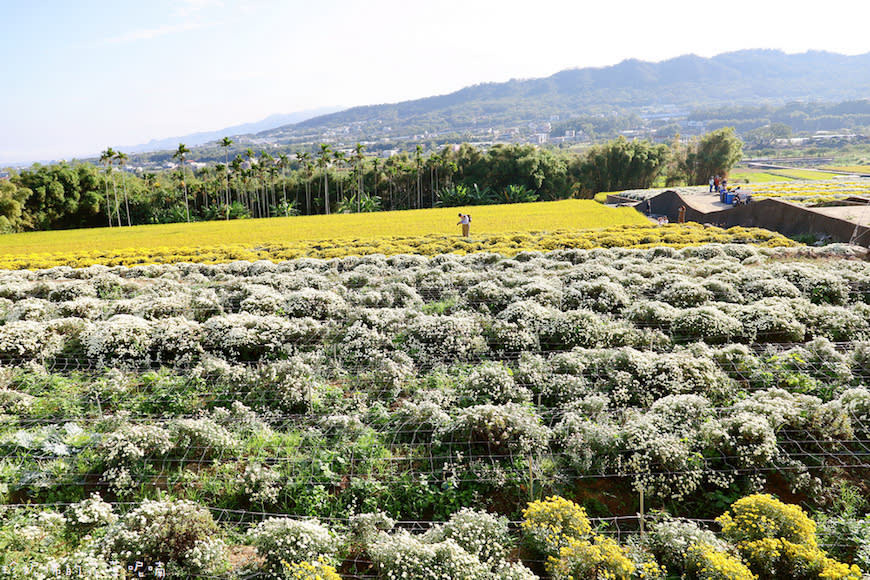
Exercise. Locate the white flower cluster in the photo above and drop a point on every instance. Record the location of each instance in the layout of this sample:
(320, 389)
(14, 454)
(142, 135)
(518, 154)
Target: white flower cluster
(498, 429)
(90, 513)
(600, 295)
(15, 402)
(31, 309)
(119, 340)
(280, 540)
(260, 483)
(470, 544)
(432, 340)
(248, 337)
(27, 339)
(176, 340)
(318, 304)
(494, 383)
(180, 534)
(290, 385)
(131, 443)
(670, 539)
(201, 438)
(481, 534)
(404, 556)
(707, 323)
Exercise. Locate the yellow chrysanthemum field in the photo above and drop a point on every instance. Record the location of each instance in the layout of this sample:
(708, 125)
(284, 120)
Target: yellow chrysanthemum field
(505, 229)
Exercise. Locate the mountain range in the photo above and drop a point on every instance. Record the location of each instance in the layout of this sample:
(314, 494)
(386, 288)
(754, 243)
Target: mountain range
(200, 138)
(747, 76)
(687, 83)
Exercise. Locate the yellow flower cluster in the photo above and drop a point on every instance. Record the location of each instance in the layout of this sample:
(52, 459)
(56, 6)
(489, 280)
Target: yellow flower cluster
(763, 516)
(559, 528)
(507, 243)
(319, 570)
(651, 570)
(601, 559)
(779, 540)
(778, 557)
(707, 563)
(849, 168)
(810, 190)
(553, 522)
(569, 214)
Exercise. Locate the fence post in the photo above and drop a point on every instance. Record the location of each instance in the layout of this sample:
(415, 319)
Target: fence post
(640, 515)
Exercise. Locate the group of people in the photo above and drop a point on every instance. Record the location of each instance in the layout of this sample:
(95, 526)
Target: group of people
(727, 194)
(718, 184)
(740, 197)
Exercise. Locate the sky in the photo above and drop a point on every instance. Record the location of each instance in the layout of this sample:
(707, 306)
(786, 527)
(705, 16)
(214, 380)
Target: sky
(77, 76)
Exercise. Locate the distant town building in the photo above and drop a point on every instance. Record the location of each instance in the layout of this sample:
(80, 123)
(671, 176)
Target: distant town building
(5, 175)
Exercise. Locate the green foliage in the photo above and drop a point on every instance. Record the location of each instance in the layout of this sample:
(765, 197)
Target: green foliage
(515, 194)
(713, 154)
(622, 164)
(12, 200)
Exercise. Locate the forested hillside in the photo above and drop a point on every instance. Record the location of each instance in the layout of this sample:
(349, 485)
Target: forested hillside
(743, 77)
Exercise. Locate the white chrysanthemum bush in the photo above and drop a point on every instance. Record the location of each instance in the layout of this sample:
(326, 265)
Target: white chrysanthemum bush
(280, 540)
(179, 534)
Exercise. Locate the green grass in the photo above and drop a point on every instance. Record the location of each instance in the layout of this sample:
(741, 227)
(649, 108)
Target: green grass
(768, 175)
(754, 176)
(804, 174)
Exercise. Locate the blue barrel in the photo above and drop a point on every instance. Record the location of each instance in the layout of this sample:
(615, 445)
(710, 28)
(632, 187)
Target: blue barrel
(729, 198)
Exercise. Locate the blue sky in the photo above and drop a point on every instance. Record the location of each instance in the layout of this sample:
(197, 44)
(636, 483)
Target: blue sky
(81, 75)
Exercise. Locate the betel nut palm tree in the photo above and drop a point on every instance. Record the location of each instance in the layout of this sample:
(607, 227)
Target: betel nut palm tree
(180, 155)
(122, 161)
(107, 157)
(225, 143)
(323, 164)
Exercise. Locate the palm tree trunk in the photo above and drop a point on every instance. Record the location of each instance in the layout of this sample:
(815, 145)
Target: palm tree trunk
(126, 201)
(326, 191)
(186, 204)
(108, 207)
(284, 191)
(117, 202)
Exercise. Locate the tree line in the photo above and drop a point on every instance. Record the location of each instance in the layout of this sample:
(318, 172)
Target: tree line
(332, 180)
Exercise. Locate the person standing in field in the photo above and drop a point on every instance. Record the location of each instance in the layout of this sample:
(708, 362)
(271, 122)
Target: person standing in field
(465, 222)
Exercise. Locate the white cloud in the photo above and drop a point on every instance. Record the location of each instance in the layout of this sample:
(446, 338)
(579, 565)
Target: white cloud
(186, 16)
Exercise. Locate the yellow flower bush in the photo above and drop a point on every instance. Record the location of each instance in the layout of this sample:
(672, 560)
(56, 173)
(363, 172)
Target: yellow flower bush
(602, 558)
(319, 570)
(760, 516)
(552, 523)
(778, 540)
(707, 563)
